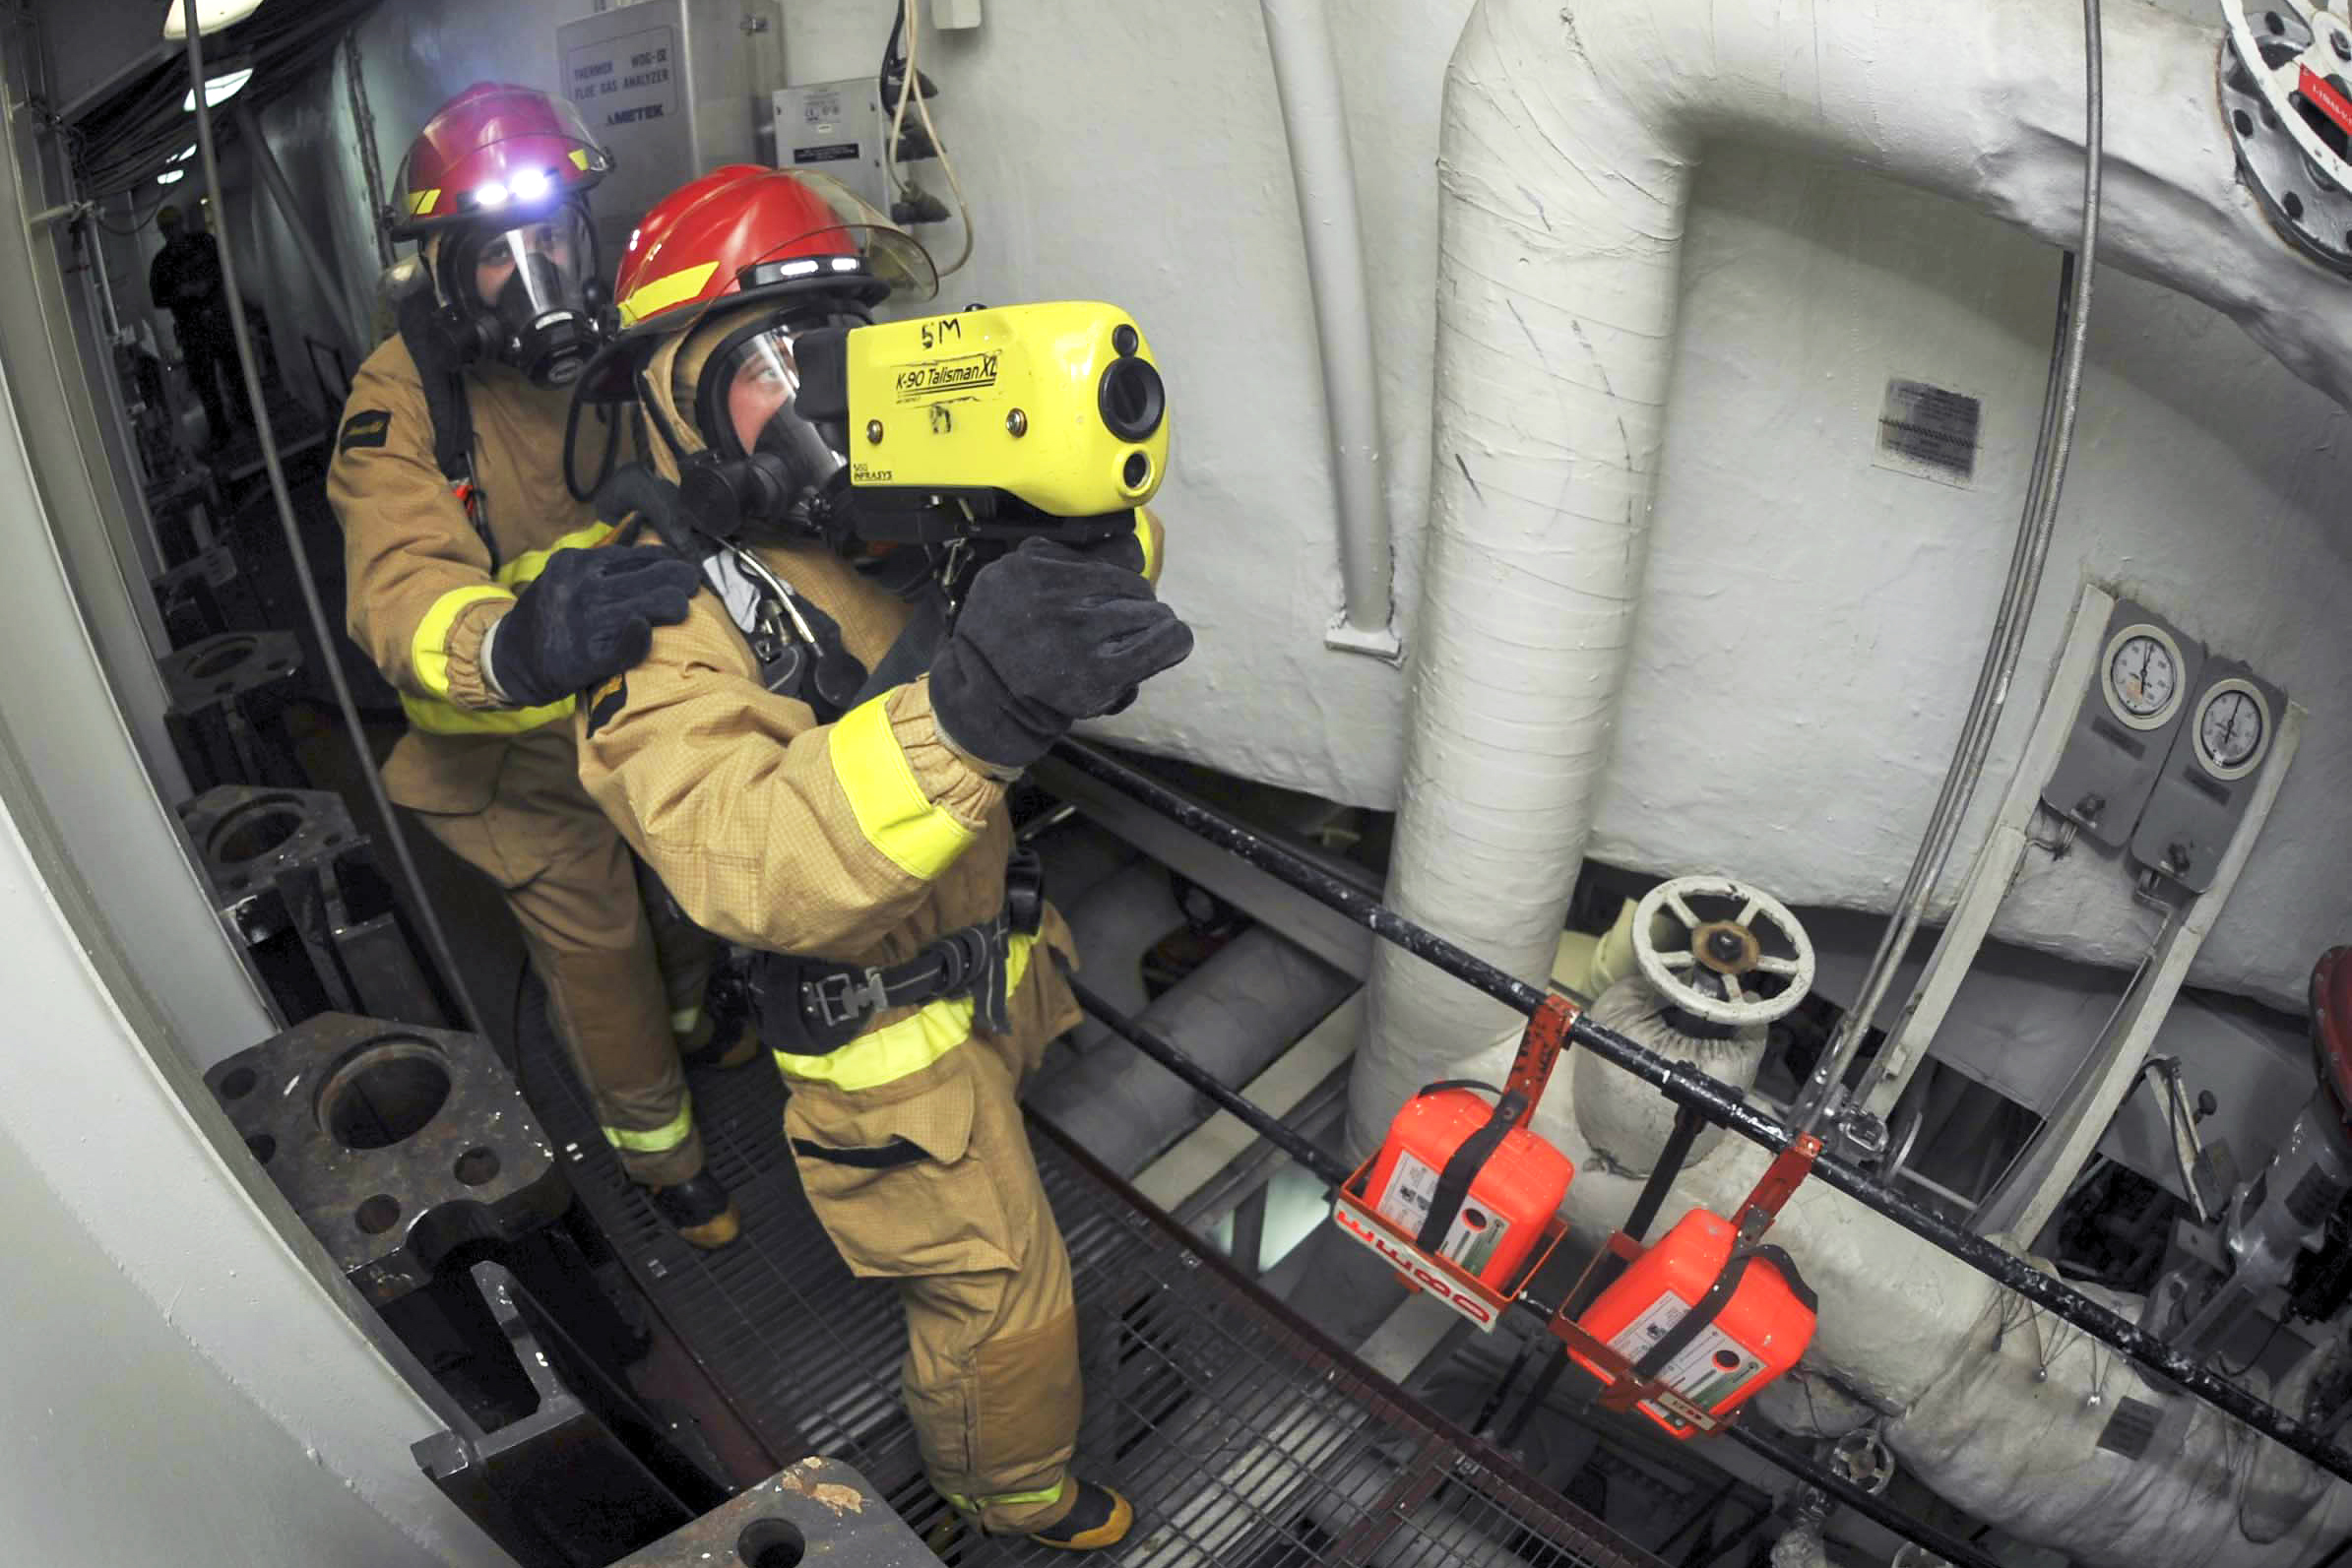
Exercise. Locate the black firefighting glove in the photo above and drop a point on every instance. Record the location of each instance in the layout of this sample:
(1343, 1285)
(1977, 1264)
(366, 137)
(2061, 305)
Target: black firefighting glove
(587, 617)
(1047, 636)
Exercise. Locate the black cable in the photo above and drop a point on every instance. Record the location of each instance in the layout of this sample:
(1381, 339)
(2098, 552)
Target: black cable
(303, 575)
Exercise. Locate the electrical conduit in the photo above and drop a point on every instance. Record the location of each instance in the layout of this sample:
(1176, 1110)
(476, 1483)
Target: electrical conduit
(1314, 119)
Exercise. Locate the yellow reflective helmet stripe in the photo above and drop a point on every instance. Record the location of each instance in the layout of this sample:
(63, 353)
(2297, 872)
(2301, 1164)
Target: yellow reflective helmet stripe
(580, 158)
(918, 837)
(527, 566)
(421, 201)
(661, 1139)
(428, 646)
(659, 293)
(889, 1054)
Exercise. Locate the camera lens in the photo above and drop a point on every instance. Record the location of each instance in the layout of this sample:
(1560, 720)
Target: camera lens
(1132, 398)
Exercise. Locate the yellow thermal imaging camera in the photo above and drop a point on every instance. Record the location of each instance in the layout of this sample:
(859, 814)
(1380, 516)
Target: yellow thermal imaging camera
(992, 422)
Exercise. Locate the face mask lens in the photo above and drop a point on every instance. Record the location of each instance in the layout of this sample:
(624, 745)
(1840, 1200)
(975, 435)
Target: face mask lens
(532, 279)
(757, 381)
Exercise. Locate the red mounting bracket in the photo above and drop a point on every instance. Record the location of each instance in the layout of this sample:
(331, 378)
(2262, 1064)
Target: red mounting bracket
(1540, 1046)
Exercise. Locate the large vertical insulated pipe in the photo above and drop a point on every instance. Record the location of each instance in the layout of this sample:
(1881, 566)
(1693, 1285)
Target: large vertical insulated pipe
(1570, 135)
(1314, 118)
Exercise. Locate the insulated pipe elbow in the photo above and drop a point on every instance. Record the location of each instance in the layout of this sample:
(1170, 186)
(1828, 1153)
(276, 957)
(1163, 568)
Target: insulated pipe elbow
(1570, 135)
(1572, 132)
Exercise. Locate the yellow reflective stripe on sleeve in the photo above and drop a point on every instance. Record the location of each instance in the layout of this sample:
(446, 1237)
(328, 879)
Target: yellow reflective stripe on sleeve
(448, 719)
(428, 646)
(661, 1138)
(898, 819)
(1143, 537)
(889, 1054)
(662, 292)
(527, 566)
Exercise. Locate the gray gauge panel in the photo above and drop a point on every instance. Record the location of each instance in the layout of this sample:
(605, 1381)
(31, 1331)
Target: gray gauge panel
(2221, 740)
(2148, 670)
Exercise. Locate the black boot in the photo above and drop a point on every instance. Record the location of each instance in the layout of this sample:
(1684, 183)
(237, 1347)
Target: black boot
(1099, 1518)
(700, 1209)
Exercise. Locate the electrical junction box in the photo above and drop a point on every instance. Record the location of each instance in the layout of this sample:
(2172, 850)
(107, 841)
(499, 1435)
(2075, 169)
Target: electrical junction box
(2223, 741)
(2124, 728)
(836, 128)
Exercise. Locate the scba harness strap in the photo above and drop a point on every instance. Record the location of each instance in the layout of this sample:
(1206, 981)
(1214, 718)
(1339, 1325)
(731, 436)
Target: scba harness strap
(811, 1007)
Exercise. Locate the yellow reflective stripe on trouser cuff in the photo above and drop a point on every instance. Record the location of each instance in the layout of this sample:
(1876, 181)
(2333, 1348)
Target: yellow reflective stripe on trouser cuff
(897, 818)
(973, 1505)
(528, 565)
(428, 645)
(661, 1138)
(889, 1054)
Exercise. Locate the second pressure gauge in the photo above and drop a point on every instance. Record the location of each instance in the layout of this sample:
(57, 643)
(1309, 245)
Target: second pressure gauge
(2141, 676)
(2233, 728)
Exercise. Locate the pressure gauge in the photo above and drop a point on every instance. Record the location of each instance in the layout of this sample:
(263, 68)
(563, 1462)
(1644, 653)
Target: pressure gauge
(2233, 728)
(2141, 676)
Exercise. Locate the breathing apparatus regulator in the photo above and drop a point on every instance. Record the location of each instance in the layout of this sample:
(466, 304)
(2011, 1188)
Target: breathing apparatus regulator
(789, 414)
(494, 192)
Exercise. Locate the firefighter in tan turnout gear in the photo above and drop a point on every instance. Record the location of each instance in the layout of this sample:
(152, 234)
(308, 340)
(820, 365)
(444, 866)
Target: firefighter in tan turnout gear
(785, 761)
(476, 584)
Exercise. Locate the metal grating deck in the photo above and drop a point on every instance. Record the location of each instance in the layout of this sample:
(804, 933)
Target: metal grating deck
(1245, 1439)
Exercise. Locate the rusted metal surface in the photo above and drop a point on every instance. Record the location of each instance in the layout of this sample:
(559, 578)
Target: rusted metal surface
(821, 1508)
(395, 1144)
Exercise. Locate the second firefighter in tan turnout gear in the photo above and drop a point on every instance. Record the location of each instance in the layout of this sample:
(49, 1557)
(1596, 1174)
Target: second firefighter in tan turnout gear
(805, 808)
(431, 574)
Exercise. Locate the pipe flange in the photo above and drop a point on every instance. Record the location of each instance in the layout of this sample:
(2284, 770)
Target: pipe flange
(2286, 99)
(1732, 938)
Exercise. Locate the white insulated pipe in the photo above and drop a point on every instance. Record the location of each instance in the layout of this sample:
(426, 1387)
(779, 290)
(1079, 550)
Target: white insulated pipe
(1572, 132)
(1314, 120)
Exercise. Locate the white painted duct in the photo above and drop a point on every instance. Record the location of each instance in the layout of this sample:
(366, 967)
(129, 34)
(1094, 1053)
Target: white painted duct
(1927, 1341)
(1572, 130)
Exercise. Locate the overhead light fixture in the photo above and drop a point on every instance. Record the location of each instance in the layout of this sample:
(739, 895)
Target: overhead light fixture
(211, 16)
(172, 176)
(217, 90)
(184, 153)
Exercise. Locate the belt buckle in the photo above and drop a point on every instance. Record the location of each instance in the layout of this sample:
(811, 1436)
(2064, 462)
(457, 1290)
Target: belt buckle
(846, 998)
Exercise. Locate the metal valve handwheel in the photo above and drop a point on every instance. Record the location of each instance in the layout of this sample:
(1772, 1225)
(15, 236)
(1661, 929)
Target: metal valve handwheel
(2286, 93)
(1734, 954)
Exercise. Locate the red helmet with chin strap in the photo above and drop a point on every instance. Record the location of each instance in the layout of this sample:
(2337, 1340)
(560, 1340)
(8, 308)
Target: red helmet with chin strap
(495, 149)
(754, 234)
